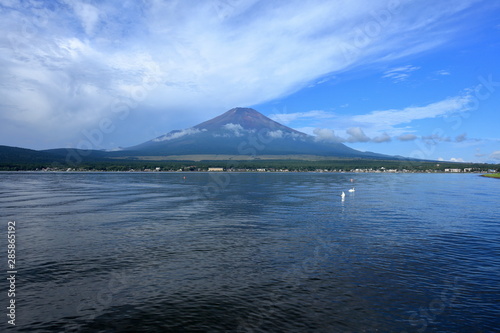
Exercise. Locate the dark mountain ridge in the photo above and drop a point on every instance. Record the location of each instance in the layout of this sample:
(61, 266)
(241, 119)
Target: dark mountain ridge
(23, 155)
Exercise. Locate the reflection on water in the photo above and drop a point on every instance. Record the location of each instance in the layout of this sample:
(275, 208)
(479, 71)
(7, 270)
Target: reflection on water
(262, 252)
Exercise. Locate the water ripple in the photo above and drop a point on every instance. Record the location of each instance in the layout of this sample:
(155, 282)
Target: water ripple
(265, 252)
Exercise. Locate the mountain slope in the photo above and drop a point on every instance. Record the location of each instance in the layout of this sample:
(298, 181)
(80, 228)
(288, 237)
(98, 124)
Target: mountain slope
(242, 131)
(14, 155)
(11, 156)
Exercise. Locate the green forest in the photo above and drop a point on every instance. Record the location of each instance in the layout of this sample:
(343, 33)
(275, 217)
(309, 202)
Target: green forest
(360, 165)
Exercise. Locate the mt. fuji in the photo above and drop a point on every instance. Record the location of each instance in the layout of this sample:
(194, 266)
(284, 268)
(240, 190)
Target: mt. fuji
(243, 131)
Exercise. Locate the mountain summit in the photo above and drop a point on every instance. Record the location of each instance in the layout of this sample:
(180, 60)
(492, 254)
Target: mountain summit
(248, 119)
(242, 131)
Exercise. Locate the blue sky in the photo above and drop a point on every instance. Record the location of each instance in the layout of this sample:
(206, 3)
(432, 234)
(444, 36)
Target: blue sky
(400, 77)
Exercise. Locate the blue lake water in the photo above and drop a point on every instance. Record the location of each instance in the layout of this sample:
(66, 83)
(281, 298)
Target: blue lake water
(253, 252)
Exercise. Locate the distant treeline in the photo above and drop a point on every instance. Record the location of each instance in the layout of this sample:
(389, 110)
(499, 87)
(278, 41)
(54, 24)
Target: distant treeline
(269, 165)
(21, 159)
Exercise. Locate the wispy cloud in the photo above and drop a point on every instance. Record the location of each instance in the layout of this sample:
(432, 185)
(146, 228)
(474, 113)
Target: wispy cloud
(354, 135)
(443, 72)
(388, 118)
(177, 134)
(495, 155)
(435, 139)
(287, 118)
(461, 137)
(399, 74)
(407, 137)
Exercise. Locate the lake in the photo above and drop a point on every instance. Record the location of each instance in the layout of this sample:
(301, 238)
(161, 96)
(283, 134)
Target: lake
(253, 252)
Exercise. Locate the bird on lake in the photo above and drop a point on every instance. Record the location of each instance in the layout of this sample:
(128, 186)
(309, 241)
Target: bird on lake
(351, 190)
(342, 195)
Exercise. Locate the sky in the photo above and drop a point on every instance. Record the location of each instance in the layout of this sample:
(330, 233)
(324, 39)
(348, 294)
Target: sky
(415, 78)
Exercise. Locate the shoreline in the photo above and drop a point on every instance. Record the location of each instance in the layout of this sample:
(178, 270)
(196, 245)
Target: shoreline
(248, 171)
(491, 175)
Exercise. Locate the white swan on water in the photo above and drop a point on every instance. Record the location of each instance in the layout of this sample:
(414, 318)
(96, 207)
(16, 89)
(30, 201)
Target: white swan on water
(342, 195)
(351, 190)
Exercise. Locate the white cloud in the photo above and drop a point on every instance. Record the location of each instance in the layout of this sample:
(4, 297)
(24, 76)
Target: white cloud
(443, 72)
(275, 134)
(382, 138)
(400, 73)
(326, 135)
(356, 134)
(237, 129)
(72, 64)
(178, 134)
(459, 159)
